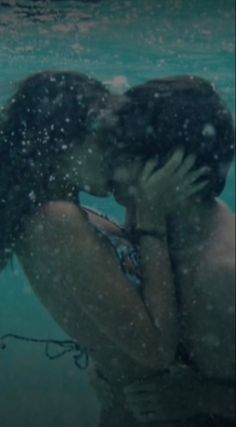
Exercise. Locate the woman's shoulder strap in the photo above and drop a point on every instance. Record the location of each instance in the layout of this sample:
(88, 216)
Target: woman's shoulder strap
(103, 222)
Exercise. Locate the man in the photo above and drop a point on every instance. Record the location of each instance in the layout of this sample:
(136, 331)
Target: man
(156, 119)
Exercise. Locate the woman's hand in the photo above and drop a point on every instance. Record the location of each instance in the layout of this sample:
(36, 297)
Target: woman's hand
(160, 192)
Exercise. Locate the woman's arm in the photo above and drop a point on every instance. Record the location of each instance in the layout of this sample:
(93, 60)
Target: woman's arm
(70, 266)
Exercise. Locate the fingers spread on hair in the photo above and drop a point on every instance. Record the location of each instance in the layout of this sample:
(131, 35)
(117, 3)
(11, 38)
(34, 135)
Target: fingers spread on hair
(148, 169)
(186, 166)
(193, 176)
(174, 162)
(197, 187)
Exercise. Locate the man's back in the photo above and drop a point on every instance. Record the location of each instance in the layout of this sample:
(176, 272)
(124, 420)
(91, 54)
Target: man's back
(206, 274)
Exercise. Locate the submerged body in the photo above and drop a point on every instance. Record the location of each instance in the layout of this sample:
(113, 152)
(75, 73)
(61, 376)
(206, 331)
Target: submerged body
(131, 332)
(112, 368)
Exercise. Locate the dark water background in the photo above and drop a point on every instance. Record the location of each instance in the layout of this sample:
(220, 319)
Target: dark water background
(124, 42)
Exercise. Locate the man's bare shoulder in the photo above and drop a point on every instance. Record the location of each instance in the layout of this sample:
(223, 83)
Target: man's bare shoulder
(210, 300)
(225, 213)
(222, 240)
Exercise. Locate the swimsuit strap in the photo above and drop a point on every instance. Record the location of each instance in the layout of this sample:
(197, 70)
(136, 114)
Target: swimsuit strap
(127, 252)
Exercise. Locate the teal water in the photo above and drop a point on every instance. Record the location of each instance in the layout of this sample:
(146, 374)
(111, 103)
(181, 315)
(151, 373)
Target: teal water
(129, 41)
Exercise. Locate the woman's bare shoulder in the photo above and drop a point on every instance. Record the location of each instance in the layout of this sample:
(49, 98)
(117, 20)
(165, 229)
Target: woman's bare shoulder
(65, 214)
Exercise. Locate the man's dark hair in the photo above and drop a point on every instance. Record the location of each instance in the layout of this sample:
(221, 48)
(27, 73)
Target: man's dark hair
(164, 114)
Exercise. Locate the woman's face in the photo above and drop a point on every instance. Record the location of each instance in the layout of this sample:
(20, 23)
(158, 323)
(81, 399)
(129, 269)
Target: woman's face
(88, 169)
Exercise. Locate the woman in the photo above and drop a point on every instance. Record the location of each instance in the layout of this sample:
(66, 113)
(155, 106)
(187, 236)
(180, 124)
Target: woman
(52, 147)
(51, 115)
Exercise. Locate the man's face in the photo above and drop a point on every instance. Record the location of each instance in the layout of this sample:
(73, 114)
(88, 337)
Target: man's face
(88, 169)
(126, 174)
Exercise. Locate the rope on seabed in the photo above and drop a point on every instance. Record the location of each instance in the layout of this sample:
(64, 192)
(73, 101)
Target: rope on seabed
(81, 359)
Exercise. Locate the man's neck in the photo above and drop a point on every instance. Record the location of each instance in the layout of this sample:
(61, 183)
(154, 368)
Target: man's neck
(130, 217)
(190, 228)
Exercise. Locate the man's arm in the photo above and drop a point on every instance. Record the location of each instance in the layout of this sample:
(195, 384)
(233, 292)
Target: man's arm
(179, 395)
(159, 193)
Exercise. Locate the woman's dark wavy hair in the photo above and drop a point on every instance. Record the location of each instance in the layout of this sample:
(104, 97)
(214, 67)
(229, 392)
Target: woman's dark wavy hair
(51, 112)
(182, 111)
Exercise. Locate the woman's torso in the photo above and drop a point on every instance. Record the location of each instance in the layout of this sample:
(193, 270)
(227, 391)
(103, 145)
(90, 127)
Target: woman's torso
(115, 365)
(110, 364)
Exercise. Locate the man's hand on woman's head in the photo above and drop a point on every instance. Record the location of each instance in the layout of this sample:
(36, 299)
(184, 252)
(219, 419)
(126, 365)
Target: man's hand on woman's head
(160, 192)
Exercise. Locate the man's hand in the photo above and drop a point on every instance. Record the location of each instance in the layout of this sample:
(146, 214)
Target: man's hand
(164, 398)
(159, 192)
(178, 395)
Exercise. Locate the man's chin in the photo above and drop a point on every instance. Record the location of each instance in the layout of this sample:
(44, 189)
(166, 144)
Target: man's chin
(101, 193)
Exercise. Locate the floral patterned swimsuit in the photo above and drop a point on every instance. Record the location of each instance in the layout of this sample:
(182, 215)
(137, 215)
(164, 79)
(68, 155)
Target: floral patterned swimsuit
(127, 252)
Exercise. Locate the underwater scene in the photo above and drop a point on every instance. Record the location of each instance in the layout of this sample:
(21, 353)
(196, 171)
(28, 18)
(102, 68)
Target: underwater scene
(117, 201)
